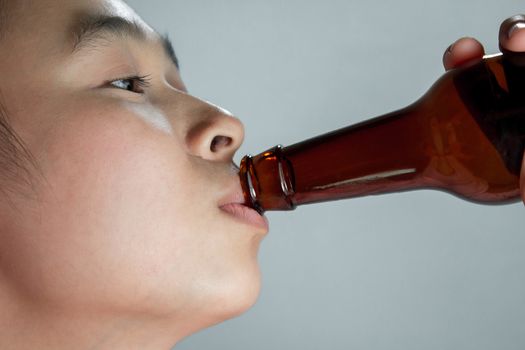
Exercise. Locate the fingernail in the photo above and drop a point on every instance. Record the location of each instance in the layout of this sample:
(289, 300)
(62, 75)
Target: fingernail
(510, 26)
(514, 28)
(451, 47)
(446, 56)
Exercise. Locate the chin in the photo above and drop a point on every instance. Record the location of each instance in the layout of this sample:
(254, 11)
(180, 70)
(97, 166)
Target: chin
(233, 298)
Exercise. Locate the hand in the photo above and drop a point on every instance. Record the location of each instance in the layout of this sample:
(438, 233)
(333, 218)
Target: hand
(468, 50)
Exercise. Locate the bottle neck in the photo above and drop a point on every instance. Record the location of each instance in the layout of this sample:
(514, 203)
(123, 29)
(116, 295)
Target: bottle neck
(358, 160)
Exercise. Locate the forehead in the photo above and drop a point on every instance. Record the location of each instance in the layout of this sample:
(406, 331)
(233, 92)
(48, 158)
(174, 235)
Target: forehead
(44, 31)
(47, 7)
(37, 17)
(117, 8)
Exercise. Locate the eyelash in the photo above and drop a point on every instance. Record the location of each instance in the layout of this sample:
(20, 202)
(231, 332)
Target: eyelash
(141, 82)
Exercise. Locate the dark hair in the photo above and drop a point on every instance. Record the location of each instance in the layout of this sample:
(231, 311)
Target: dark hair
(17, 164)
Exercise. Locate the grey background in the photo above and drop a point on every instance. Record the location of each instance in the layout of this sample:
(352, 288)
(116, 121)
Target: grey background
(419, 270)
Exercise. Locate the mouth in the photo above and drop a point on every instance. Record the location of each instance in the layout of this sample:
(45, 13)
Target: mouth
(246, 215)
(235, 207)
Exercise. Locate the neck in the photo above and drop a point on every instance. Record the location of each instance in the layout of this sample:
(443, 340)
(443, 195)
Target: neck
(26, 326)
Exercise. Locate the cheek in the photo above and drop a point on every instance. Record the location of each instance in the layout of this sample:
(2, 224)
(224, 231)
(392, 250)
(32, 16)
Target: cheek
(151, 116)
(117, 164)
(117, 192)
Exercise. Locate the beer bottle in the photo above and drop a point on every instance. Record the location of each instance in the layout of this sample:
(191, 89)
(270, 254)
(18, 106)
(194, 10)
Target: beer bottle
(466, 136)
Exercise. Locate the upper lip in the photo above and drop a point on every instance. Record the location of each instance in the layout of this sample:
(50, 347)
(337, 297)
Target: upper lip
(234, 197)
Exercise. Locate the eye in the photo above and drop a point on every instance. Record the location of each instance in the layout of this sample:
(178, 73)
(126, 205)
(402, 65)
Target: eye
(133, 84)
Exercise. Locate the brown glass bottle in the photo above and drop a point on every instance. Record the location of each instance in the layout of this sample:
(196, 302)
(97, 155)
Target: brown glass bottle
(465, 136)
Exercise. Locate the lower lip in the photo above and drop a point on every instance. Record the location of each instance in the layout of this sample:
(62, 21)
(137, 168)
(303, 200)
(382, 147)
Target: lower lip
(246, 214)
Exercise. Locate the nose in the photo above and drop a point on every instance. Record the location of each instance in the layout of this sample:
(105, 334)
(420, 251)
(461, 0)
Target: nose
(213, 134)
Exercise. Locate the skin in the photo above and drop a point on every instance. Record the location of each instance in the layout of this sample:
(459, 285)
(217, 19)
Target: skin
(120, 242)
(122, 245)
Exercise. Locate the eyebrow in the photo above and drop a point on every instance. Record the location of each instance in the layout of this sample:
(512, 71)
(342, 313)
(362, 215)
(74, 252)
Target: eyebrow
(88, 30)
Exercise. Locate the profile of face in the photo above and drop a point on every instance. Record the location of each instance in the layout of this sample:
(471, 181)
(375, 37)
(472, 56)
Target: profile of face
(123, 220)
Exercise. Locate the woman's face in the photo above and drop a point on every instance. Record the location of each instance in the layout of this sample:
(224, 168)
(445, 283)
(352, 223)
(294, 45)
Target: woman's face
(127, 215)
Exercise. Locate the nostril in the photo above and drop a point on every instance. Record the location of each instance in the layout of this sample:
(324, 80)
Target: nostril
(220, 142)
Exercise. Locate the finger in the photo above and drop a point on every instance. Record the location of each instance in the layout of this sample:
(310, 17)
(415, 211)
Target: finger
(463, 52)
(512, 34)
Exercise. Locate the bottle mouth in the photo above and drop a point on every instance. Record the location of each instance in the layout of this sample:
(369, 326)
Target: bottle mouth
(267, 181)
(248, 178)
